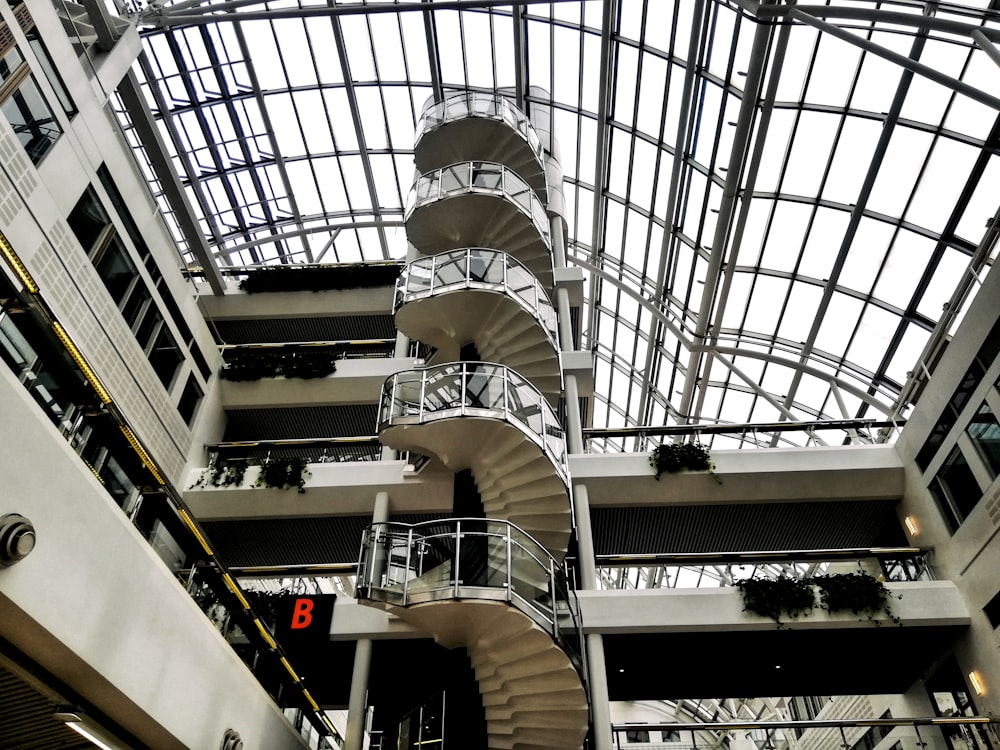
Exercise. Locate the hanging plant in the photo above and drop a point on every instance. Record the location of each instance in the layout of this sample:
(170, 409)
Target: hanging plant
(860, 593)
(225, 473)
(314, 278)
(777, 597)
(243, 365)
(674, 457)
(283, 472)
(266, 604)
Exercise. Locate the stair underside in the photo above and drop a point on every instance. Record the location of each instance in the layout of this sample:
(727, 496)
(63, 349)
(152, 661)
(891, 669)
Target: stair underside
(501, 328)
(517, 481)
(532, 694)
(480, 139)
(481, 220)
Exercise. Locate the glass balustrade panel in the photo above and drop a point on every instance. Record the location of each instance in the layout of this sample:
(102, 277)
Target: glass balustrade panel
(486, 266)
(443, 388)
(419, 278)
(449, 270)
(405, 399)
(488, 176)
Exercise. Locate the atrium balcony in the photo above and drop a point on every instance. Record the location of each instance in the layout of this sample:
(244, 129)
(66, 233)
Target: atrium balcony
(480, 204)
(471, 125)
(488, 586)
(487, 418)
(488, 298)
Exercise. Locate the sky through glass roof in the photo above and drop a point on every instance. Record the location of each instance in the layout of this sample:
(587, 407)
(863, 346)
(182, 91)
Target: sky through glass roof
(778, 208)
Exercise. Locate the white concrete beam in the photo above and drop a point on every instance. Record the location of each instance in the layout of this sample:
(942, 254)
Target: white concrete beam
(356, 381)
(237, 305)
(924, 603)
(335, 489)
(772, 475)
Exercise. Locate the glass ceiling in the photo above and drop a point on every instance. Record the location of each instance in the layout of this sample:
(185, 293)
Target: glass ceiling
(780, 209)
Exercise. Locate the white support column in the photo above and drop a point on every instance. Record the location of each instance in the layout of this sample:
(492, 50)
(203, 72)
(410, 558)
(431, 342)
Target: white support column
(357, 702)
(597, 673)
(359, 693)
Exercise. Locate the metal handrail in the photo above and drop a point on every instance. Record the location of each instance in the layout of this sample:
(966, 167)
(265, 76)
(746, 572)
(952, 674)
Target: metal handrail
(415, 563)
(469, 177)
(808, 723)
(426, 277)
(812, 555)
(442, 392)
(723, 569)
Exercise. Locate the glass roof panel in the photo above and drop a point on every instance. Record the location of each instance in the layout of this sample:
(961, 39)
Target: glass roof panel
(287, 157)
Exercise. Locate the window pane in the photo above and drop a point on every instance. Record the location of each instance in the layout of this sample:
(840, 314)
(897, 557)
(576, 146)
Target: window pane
(32, 120)
(985, 434)
(116, 269)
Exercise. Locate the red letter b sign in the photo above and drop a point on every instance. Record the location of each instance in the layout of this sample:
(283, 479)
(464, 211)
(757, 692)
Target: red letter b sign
(302, 614)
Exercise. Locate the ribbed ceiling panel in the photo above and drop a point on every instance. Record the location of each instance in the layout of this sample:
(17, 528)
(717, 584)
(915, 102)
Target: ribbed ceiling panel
(744, 528)
(293, 541)
(351, 420)
(26, 719)
(279, 330)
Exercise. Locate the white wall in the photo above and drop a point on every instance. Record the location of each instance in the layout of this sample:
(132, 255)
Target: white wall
(95, 606)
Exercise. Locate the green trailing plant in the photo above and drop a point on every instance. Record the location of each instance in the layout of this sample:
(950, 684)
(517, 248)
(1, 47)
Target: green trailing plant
(313, 278)
(283, 473)
(225, 473)
(243, 365)
(858, 593)
(777, 597)
(266, 604)
(786, 597)
(674, 457)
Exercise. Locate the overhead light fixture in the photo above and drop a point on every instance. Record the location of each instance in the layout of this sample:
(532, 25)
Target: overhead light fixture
(977, 683)
(84, 726)
(911, 525)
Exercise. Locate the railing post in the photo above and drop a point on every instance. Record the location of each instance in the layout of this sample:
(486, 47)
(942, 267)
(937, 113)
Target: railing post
(423, 389)
(406, 579)
(552, 600)
(510, 564)
(456, 565)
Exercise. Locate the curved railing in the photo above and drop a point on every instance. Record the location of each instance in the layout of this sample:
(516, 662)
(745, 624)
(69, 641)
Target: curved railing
(483, 177)
(473, 104)
(478, 389)
(476, 268)
(462, 558)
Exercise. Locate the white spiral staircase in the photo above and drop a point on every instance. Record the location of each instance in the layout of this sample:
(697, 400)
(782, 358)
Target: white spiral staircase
(517, 480)
(508, 604)
(484, 219)
(509, 321)
(480, 126)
